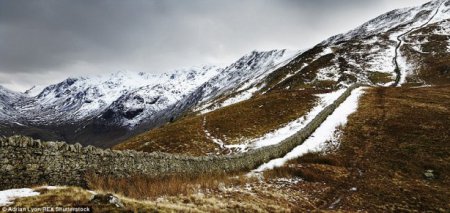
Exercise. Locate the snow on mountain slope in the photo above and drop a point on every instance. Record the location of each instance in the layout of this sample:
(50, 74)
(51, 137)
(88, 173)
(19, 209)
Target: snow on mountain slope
(369, 53)
(35, 90)
(145, 102)
(79, 107)
(129, 99)
(7, 100)
(240, 80)
(411, 43)
(402, 19)
(81, 98)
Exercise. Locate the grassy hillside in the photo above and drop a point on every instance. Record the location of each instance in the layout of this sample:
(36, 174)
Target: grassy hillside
(233, 124)
(393, 157)
(394, 154)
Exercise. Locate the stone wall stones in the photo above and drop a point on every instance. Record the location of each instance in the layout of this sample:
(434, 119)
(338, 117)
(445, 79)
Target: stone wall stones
(26, 162)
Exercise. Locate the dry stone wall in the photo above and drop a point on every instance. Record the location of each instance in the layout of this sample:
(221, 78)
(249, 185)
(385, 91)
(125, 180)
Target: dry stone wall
(26, 162)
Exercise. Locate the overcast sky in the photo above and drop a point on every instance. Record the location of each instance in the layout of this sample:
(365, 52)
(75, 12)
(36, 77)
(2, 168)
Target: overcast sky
(45, 41)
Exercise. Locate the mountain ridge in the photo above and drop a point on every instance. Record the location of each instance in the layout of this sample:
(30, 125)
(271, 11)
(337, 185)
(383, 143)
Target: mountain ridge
(130, 103)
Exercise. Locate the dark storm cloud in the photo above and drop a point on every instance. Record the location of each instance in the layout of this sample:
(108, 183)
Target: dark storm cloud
(43, 41)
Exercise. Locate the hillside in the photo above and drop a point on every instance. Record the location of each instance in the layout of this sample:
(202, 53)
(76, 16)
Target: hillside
(402, 47)
(217, 131)
(386, 161)
(357, 123)
(102, 110)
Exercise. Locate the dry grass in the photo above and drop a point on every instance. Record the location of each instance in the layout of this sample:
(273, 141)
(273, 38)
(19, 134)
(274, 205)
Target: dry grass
(75, 197)
(232, 124)
(380, 77)
(433, 61)
(297, 64)
(312, 167)
(141, 187)
(67, 197)
(308, 74)
(396, 135)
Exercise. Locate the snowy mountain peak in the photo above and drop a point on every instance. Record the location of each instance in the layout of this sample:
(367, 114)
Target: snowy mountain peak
(405, 18)
(85, 97)
(256, 58)
(405, 42)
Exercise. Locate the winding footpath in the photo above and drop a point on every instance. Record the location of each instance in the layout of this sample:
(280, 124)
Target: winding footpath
(398, 79)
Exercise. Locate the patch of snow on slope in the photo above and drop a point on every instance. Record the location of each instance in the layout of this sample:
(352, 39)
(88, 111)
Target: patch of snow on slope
(8, 196)
(380, 59)
(443, 13)
(292, 127)
(211, 137)
(325, 132)
(35, 90)
(328, 74)
(243, 96)
(405, 68)
(242, 79)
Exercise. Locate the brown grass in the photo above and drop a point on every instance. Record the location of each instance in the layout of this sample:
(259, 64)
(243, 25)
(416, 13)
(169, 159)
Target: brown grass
(232, 124)
(396, 135)
(434, 61)
(141, 187)
(297, 64)
(308, 74)
(77, 197)
(67, 197)
(313, 167)
(380, 77)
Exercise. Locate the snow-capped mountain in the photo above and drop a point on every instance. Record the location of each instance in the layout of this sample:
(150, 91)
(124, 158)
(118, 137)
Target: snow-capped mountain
(82, 98)
(7, 100)
(146, 102)
(240, 80)
(408, 45)
(128, 101)
(401, 46)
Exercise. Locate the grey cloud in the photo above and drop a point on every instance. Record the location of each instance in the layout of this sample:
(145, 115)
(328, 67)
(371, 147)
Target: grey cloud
(61, 38)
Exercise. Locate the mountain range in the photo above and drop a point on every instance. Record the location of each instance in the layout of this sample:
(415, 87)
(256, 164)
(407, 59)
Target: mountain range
(408, 46)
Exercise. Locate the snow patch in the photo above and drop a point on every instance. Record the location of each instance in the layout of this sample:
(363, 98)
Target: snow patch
(405, 68)
(8, 196)
(211, 137)
(316, 142)
(292, 127)
(242, 78)
(328, 74)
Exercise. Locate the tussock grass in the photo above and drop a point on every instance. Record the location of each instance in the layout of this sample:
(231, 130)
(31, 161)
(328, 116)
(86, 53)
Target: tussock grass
(141, 187)
(66, 196)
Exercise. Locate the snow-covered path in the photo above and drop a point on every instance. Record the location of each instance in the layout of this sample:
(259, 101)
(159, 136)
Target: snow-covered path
(322, 134)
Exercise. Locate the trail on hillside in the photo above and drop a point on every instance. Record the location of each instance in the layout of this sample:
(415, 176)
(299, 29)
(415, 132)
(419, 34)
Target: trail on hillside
(400, 43)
